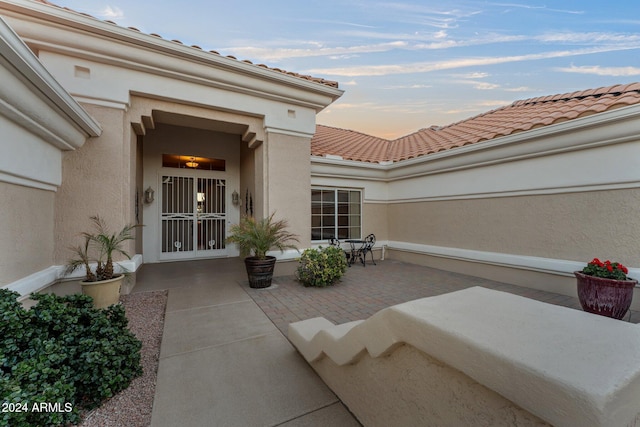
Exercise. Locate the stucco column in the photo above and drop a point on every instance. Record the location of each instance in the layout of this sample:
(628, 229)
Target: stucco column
(287, 182)
(96, 180)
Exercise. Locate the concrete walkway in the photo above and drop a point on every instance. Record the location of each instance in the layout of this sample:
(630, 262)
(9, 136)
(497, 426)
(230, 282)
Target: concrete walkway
(223, 362)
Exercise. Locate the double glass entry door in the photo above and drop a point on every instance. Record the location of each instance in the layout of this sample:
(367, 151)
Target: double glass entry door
(193, 217)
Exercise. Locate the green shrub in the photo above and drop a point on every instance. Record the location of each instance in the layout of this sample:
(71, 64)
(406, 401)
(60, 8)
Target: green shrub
(64, 354)
(321, 267)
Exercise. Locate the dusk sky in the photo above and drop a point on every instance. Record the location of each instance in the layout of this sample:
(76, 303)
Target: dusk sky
(412, 64)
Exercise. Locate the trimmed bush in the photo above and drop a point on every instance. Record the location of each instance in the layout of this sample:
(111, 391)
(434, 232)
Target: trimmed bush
(321, 267)
(60, 357)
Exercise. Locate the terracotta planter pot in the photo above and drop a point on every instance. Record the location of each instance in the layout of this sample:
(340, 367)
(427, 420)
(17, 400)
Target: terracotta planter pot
(103, 292)
(606, 297)
(260, 271)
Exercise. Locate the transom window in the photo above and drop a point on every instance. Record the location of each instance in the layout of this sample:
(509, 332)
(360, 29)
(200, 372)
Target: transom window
(336, 212)
(192, 162)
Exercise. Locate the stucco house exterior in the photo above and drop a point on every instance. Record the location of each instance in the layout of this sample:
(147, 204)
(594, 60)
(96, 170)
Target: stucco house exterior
(139, 129)
(154, 105)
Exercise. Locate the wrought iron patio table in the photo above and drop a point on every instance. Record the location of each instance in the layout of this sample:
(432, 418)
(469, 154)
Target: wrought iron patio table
(357, 247)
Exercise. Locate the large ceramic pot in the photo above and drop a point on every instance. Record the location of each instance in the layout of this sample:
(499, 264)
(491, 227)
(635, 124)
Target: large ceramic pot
(260, 271)
(103, 292)
(606, 297)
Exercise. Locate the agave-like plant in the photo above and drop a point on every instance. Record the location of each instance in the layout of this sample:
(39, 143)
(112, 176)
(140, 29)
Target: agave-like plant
(257, 237)
(100, 247)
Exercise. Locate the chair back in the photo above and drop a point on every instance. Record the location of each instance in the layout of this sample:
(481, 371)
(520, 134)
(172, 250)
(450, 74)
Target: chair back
(370, 241)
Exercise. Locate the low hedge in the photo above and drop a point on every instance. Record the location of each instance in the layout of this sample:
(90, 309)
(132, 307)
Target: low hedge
(60, 357)
(321, 267)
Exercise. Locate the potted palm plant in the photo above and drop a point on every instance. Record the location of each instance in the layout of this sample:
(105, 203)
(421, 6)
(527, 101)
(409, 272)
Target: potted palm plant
(254, 239)
(99, 248)
(605, 289)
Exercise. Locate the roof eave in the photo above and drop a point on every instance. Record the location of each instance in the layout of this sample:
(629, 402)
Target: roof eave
(158, 44)
(25, 64)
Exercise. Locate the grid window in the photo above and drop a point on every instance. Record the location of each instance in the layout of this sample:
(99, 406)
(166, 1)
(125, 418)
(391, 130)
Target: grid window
(335, 213)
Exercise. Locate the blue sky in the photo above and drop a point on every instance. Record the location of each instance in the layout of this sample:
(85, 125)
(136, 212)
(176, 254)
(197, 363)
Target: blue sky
(412, 64)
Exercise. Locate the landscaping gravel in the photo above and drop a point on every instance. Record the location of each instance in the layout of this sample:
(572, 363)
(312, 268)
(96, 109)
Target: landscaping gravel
(132, 407)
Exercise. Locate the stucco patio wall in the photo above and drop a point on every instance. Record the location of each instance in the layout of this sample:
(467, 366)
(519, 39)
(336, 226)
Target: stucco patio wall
(562, 227)
(478, 357)
(410, 388)
(571, 226)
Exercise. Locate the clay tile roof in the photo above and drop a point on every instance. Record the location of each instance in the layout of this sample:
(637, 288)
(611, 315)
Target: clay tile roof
(348, 144)
(520, 116)
(309, 78)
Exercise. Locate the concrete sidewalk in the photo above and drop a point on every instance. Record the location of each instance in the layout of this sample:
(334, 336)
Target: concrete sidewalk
(223, 362)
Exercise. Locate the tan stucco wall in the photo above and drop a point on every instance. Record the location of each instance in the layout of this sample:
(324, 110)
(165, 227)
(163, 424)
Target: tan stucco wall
(410, 388)
(375, 220)
(571, 226)
(96, 180)
(288, 182)
(26, 226)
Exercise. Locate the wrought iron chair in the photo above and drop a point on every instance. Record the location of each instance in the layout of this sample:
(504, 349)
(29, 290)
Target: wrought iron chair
(335, 242)
(370, 242)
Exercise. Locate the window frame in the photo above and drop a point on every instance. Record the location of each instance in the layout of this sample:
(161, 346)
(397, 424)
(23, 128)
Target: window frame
(336, 211)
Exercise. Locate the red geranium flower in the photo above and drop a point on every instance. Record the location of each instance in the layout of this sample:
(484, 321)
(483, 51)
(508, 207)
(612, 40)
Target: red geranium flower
(607, 269)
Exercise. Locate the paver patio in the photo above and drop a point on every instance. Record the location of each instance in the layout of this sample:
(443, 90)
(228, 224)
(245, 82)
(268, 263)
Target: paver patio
(225, 359)
(363, 291)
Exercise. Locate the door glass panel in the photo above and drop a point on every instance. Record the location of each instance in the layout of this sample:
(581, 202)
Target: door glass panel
(177, 214)
(211, 213)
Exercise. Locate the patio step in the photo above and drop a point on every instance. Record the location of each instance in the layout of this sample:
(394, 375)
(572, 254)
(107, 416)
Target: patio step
(546, 362)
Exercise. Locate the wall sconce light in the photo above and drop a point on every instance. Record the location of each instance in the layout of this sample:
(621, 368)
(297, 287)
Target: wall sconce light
(235, 198)
(148, 195)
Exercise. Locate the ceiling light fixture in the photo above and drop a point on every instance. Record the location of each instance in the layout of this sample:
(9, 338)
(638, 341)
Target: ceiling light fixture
(192, 163)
